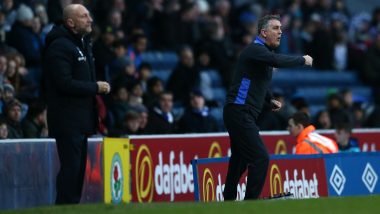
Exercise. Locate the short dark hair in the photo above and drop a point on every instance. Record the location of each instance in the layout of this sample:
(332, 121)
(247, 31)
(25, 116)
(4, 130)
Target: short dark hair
(300, 118)
(344, 126)
(131, 115)
(144, 65)
(162, 94)
(263, 22)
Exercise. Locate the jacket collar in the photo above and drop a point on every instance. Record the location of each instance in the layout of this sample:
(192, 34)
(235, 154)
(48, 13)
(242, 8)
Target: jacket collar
(305, 133)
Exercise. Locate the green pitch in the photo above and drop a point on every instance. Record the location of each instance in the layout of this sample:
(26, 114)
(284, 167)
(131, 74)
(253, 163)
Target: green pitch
(335, 205)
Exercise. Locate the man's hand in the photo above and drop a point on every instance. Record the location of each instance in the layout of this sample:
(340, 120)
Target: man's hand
(103, 87)
(308, 60)
(276, 105)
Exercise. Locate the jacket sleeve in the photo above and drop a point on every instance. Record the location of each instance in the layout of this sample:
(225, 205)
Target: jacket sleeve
(59, 71)
(262, 54)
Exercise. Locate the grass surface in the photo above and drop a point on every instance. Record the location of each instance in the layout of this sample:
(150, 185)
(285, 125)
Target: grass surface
(335, 205)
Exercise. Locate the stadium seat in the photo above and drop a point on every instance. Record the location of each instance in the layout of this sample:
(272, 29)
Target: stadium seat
(217, 113)
(162, 74)
(160, 60)
(214, 76)
(219, 95)
(296, 78)
(314, 109)
(318, 95)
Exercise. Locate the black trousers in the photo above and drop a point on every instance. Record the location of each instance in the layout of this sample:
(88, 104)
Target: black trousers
(247, 151)
(72, 152)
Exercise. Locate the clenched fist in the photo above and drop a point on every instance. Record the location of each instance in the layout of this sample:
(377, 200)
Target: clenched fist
(308, 60)
(103, 87)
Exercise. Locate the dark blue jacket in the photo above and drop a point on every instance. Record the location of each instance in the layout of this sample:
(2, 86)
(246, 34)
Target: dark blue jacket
(254, 72)
(70, 84)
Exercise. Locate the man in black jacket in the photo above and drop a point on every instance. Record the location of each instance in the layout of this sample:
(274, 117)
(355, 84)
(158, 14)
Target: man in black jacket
(245, 100)
(70, 88)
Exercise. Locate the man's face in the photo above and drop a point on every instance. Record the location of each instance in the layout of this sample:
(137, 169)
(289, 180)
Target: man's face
(133, 125)
(166, 103)
(15, 113)
(272, 33)
(143, 119)
(197, 102)
(141, 45)
(342, 136)
(294, 130)
(3, 64)
(187, 58)
(3, 131)
(82, 21)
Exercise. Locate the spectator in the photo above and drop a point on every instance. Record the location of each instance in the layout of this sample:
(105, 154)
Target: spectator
(346, 142)
(135, 94)
(358, 115)
(219, 48)
(127, 75)
(13, 115)
(115, 21)
(9, 10)
(322, 120)
(371, 65)
(35, 125)
(3, 68)
(104, 55)
(308, 141)
(138, 46)
(24, 39)
(155, 87)
(130, 125)
(3, 130)
(120, 60)
(300, 104)
(16, 75)
(145, 73)
(161, 119)
(120, 104)
(323, 57)
(338, 114)
(184, 77)
(8, 93)
(197, 118)
(143, 120)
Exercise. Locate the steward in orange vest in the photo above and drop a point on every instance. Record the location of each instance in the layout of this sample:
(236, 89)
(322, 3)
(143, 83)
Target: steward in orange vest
(308, 141)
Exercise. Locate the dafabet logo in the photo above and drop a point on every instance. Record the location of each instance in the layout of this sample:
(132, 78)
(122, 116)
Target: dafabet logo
(297, 183)
(208, 186)
(215, 150)
(144, 174)
(280, 148)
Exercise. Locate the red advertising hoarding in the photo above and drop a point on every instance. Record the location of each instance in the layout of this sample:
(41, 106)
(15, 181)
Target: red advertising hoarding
(304, 178)
(280, 142)
(211, 180)
(161, 168)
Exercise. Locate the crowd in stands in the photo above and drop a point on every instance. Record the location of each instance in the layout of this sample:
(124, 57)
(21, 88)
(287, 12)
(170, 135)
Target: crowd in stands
(206, 35)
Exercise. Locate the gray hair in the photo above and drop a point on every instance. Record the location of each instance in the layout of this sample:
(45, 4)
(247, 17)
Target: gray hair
(264, 22)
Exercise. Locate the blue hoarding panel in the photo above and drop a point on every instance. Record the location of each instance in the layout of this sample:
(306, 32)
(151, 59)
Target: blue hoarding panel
(353, 174)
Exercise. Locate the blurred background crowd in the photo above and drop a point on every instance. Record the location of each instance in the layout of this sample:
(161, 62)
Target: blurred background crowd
(170, 63)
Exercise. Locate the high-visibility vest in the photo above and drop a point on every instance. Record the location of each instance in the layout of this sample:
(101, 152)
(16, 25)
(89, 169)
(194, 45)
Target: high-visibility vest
(310, 142)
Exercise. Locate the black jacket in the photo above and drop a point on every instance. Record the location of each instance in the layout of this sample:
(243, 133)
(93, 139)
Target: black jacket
(197, 122)
(70, 85)
(253, 74)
